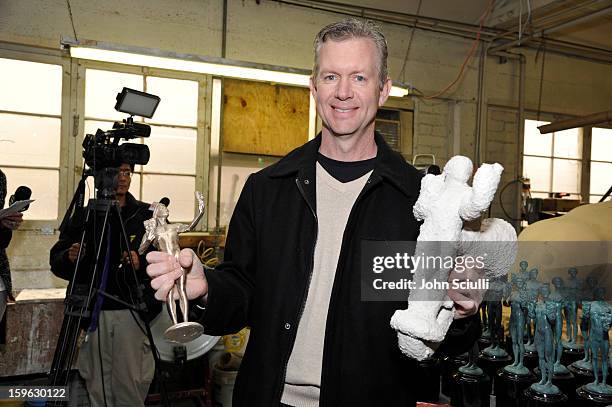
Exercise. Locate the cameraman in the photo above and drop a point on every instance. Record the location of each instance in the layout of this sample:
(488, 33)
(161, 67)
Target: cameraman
(116, 360)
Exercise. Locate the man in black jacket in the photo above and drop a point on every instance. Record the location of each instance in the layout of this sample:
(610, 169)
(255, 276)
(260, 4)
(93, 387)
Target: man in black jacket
(291, 270)
(115, 360)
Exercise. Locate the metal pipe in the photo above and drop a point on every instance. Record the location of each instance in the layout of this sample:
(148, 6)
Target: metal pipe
(451, 28)
(509, 45)
(392, 17)
(367, 11)
(480, 105)
(592, 119)
(582, 18)
(546, 15)
(224, 30)
(555, 27)
(220, 152)
(553, 17)
(519, 138)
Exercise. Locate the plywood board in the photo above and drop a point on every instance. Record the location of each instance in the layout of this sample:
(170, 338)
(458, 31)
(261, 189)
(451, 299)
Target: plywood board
(260, 118)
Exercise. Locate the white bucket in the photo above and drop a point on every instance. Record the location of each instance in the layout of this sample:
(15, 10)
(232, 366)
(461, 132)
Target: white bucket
(223, 387)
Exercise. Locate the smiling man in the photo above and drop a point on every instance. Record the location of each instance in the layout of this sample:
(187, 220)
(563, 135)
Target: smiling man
(292, 256)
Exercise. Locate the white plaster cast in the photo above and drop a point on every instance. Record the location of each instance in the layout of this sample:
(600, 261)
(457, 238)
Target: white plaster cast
(500, 257)
(444, 203)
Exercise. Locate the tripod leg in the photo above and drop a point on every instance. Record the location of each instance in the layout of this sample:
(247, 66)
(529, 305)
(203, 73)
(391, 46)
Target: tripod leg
(65, 350)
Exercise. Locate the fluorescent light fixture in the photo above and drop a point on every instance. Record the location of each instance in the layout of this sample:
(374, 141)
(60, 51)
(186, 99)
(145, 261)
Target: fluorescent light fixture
(191, 63)
(222, 67)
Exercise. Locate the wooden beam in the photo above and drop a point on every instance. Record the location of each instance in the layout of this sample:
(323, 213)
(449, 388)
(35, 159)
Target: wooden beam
(596, 118)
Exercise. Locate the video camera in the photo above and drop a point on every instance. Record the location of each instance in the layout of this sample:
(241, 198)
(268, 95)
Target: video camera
(102, 152)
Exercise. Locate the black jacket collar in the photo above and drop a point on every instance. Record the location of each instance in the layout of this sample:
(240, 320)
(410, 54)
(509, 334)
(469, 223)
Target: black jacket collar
(390, 165)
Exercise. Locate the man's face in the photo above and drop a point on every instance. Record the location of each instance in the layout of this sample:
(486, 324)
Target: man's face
(124, 179)
(347, 87)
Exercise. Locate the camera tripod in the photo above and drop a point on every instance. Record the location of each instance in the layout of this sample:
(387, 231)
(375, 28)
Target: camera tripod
(92, 267)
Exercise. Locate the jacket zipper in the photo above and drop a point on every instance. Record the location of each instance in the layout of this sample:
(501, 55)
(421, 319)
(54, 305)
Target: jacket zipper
(304, 293)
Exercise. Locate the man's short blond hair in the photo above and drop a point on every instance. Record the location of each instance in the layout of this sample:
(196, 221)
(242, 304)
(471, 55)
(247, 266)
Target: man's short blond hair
(349, 29)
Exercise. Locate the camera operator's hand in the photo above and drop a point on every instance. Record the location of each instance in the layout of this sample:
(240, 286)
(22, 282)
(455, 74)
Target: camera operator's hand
(164, 270)
(12, 221)
(135, 259)
(73, 251)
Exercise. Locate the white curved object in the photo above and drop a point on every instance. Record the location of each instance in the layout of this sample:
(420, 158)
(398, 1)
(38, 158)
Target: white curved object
(195, 348)
(444, 203)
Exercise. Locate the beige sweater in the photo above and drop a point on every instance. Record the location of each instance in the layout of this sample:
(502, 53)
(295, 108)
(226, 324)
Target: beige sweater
(334, 203)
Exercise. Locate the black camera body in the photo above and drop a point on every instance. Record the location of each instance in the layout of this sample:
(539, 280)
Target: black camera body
(103, 154)
(103, 150)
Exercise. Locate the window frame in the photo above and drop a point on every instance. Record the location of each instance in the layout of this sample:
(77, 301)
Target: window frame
(552, 157)
(52, 57)
(585, 160)
(587, 187)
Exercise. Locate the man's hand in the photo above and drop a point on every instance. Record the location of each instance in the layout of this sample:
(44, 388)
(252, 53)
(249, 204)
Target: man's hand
(467, 301)
(164, 270)
(73, 252)
(12, 221)
(135, 259)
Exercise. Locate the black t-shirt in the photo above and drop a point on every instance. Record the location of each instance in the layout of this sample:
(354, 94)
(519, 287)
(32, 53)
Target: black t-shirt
(346, 171)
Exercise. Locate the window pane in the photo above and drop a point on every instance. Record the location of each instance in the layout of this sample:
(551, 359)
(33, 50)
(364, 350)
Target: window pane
(179, 189)
(596, 198)
(135, 186)
(236, 170)
(536, 143)
(90, 192)
(601, 177)
(568, 143)
(30, 87)
(232, 182)
(179, 101)
(173, 150)
(44, 185)
(538, 171)
(601, 144)
(101, 88)
(566, 176)
(91, 126)
(539, 194)
(29, 140)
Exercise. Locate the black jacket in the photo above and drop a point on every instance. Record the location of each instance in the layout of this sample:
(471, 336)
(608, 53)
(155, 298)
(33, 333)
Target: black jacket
(265, 276)
(120, 281)
(5, 239)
